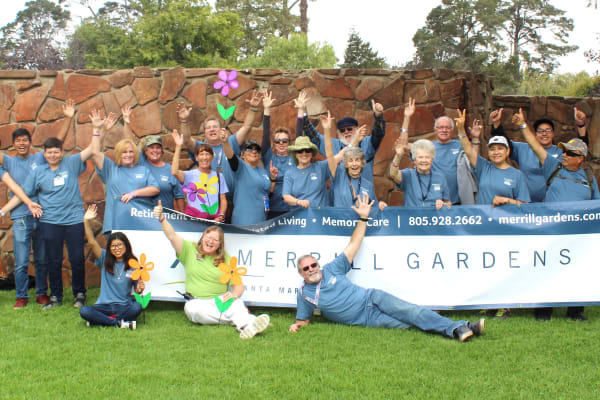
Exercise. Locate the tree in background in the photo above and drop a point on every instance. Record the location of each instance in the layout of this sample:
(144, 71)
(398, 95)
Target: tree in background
(293, 53)
(535, 83)
(359, 54)
(31, 40)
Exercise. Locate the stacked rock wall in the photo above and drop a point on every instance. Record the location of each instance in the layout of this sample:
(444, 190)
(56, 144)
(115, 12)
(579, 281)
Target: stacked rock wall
(34, 100)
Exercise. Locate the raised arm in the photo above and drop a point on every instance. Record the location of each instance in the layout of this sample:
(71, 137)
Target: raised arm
(362, 208)
(307, 128)
(519, 120)
(89, 215)
(378, 125)
(332, 159)
(266, 138)
(127, 132)
(183, 114)
(174, 238)
(242, 133)
(95, 147)
(175, 171)
(464, 140)
(409, 111)
(399, 147)
(579, 117)
(69, 112)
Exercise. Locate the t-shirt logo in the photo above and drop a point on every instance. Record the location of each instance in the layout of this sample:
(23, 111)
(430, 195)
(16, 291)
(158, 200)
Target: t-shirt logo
(437, 187)
(139, 176)
(313, 176)
(164, 178)
(33, 166)
(555, 155)
(508, 182)
(332, 281)
(455, 151)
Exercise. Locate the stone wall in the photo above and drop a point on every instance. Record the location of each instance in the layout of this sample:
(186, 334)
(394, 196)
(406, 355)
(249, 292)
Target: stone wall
(34, 100)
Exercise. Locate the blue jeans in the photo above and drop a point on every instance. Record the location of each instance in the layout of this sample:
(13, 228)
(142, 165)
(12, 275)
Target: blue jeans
(385, 310)
(25, 233)
(54, 236)
(99, 314)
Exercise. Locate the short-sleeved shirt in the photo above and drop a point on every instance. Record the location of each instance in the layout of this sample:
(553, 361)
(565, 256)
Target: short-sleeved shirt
(19, 169)
(170, 189)
(203, 202)
(220, 163)
(509, 182)
(339, 300)
(58, 191)
(121, 180)
(423, 190)
(201, 275)
(308, 183)
(346, 189)
(567, 185)
(283, 164)
(115, 287)
(253, 183)
(530, 166)
(446, 157)
(366, 145)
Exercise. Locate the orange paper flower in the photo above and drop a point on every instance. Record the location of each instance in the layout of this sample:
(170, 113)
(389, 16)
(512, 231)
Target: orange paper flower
(231, 272)
(140, 269)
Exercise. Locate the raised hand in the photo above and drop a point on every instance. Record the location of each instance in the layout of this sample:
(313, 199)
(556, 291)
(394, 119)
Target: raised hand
(254, 99)
(126, 111)
(268, 100)
(377, 108)
(496, 117)
(110, 121)
(300, 102)
(273, 171)
(69, 108)
(223, 135)
(363, 206)
(362, 132)
(461, 119)
(96, 118)
(182, 111)
(90, 213)
(158, 210)
(519, 118)
(579, 116)
(410, 108)
(326, 121)
(400, 146)
(177, 138)
(476, 129)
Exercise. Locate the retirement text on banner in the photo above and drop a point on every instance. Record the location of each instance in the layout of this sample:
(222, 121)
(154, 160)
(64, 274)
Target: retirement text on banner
(465, 257)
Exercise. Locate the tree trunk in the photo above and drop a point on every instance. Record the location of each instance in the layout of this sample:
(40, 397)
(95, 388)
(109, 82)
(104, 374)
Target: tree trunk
(304, 16)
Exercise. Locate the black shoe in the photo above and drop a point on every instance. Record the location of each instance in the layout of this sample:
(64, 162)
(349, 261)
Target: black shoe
(577, 317)
(463, 333)
(79, 300)
(478, 327)
(54, 302)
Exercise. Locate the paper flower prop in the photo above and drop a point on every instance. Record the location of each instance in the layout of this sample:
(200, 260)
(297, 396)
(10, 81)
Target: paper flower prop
(140, 269)
(225, 113)
(143, 300)
(194, 192)
(231, 272)
(227, 81)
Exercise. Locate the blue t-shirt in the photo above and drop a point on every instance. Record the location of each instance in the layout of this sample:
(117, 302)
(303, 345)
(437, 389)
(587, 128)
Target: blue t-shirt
(509, 182)
(423, 190)
(339, 300)
(252, 184)
(366, 145)
(58, 191)
(283, 164)
(170, 189)
(446, 157)
(220, 163)
(19, 169)
(530, 166)
(346, 189)
(121, 180)
(567, 185)
(309, 183)
(115, 287)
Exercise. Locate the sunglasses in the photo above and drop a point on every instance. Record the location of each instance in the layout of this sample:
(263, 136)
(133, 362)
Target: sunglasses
(346, 129)
(544, 131)
(571, 153)
(280, 141)
(304, 151)
(252, 150)
(311, 266)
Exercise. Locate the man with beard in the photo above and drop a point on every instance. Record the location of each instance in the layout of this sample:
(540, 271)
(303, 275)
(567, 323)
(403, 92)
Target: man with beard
(343, 302)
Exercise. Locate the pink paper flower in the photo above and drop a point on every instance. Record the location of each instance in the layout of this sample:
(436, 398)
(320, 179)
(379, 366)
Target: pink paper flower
(227, 81)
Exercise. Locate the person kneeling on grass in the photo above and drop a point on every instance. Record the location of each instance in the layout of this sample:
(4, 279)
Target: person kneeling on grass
(115, 306)
(343, 302)
(212, 301)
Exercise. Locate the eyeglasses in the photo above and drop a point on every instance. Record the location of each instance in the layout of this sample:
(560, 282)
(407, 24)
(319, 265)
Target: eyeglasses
(280, 141)
(208, 239)
(311, 266)
(571, 153)
(443, 127)
(346, 129)
(544, 131)
(304, 151)
(252, 150)
(117, 245)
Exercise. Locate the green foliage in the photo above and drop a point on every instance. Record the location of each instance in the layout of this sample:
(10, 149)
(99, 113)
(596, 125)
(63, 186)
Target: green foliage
(157, 33)
(293, 53)
(359, 54)
(30, 41)
(537, 83)
(168, 357)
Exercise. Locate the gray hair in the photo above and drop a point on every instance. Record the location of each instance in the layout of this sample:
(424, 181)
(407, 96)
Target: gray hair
(422, 145)
(353, 152)
(302, 259)
(441, 118)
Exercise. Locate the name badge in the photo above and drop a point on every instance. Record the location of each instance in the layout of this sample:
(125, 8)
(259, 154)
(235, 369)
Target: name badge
(59, 180)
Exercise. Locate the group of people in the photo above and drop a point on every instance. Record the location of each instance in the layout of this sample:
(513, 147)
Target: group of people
(243, 182)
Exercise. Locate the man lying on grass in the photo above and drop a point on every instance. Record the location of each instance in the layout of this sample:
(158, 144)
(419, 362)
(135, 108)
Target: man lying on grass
(343, 302)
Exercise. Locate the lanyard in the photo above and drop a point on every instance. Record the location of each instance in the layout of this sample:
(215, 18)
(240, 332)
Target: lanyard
(352, 186)
(424, 195)
(314, 301)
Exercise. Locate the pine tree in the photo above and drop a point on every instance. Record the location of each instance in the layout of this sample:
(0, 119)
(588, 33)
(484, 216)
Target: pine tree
(359, 54)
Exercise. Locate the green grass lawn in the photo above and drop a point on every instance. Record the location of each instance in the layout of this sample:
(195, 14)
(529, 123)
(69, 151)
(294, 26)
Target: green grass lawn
(53, 355)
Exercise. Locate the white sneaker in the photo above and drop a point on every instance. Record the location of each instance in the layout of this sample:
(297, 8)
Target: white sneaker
(128, 325)
(258, 325)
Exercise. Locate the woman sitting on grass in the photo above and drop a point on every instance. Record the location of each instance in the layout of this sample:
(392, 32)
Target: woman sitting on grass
(115, 306)
(213, 302)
